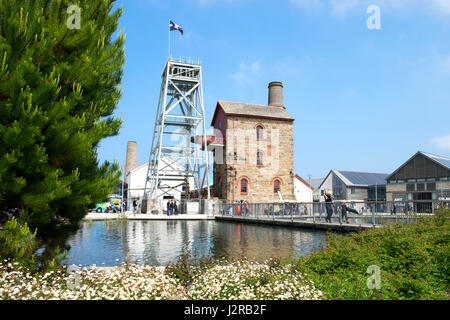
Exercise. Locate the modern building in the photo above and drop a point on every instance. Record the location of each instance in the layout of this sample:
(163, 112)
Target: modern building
(254, 150)
(315, 184)
(424, 176)
(354, 186)
(302, 190)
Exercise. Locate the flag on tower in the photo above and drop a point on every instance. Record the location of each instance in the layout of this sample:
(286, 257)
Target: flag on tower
(174, 26)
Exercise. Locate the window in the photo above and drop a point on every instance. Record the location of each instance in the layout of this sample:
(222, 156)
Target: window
(259, 133)
(259, 158)
(352, 190)
(276, 186)
(244, 186)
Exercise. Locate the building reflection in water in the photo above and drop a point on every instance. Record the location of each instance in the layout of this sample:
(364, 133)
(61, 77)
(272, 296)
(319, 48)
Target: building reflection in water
(161, 242)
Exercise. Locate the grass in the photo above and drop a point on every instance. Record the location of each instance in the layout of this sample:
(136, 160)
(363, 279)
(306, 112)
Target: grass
(413, 261)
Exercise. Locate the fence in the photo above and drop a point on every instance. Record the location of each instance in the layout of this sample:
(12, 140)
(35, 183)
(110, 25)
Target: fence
(358, 212)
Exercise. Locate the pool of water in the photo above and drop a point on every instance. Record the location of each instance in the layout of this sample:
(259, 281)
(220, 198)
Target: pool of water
(110, 243)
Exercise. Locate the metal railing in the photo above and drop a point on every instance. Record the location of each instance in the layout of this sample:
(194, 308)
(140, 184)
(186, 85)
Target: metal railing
(184, 59)
(357, 212)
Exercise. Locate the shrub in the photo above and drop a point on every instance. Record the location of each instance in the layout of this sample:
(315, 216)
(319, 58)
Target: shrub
(413, 260)
(17, 243)
(20, 246)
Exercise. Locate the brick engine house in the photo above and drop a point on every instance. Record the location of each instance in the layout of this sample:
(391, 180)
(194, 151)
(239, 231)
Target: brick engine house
(254, 150)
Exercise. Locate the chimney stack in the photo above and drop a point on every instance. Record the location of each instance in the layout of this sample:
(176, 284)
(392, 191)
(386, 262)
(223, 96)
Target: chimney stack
(276, 94)
(131, 161)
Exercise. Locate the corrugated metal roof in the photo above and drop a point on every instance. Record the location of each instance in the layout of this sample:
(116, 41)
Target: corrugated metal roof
(441, 159)
(363, 178)
(256, 110)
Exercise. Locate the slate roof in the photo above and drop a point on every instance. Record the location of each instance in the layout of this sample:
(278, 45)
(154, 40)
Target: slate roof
(441, 160)
(361, 178)
(261, 111)
(315, 183)
(444, 161)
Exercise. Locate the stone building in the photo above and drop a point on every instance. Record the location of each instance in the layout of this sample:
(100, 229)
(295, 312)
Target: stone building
(254, 150)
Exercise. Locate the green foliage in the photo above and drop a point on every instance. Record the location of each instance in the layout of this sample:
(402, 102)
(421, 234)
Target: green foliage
(58, 93)
(18, 245)
(413, 260)
(187, 264)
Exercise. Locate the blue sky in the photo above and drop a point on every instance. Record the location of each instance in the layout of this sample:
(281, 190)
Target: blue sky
(363, 100)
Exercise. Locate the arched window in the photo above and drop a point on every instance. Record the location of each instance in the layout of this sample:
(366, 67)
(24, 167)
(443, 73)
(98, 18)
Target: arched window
(259, 158)
(259, 132)
(244, 186)
(276, 186)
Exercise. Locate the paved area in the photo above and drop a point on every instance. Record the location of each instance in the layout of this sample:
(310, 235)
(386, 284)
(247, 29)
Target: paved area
(129, 215)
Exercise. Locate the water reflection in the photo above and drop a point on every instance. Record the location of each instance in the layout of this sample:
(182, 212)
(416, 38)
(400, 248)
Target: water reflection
(158, 243)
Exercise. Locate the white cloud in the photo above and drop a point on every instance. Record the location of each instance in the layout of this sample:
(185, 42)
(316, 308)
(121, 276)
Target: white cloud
(442, 6)
(442, 143)
(308, 5)
(247, 73)
(343, 8)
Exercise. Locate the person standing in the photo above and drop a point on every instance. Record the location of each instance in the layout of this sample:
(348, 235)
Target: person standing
(171, 207)
(328, 205)
(134, 206)
(175, 208)
(168, 208)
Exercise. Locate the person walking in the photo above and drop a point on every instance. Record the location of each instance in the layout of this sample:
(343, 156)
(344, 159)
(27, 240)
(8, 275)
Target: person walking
(345, 209)
(328, 205)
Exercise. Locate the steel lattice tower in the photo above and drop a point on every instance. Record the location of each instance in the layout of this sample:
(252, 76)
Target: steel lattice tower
(179, 133)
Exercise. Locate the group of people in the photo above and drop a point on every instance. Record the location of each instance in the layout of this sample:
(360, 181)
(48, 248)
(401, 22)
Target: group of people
(172, 208)
(111, 207)
(328, 197)
(242, 208)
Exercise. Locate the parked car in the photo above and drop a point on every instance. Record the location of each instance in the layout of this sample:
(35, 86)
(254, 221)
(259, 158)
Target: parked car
(101, 207)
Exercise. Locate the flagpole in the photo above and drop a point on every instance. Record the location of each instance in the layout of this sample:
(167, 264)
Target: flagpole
(169, 38)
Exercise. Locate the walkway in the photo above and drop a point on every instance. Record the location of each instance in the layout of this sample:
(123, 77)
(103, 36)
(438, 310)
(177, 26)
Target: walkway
(130, 216)
(333, 226)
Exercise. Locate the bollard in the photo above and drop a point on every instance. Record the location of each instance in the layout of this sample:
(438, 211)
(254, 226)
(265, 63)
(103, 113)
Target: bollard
(373, 216)
(314, 214)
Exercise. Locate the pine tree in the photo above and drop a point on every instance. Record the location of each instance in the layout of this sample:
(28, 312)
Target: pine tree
(59, 87)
